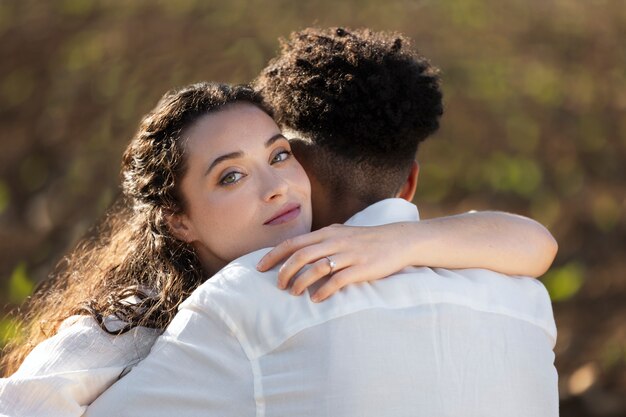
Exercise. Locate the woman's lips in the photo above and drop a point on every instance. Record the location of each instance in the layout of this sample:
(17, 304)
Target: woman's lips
(288, 213)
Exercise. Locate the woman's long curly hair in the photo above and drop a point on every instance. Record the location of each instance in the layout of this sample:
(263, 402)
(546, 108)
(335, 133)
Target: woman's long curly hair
(131, 253)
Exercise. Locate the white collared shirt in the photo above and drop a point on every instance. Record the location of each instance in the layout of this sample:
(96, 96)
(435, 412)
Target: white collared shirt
(423, 342)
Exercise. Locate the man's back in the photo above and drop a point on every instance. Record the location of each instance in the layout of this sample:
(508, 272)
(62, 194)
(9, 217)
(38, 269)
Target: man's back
(423, 342)
(441, 360)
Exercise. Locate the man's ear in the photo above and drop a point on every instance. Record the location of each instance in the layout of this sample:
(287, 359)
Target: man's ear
(407, 191)
(180, 226)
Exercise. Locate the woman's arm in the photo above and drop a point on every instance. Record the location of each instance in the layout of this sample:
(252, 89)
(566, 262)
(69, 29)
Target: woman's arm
(502, 242)
(65, 373)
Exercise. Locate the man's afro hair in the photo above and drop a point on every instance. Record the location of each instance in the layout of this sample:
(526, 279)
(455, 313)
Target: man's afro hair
(354, 92)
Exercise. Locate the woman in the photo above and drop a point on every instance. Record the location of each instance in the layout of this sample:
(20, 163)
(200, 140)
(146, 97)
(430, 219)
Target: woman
(206, 179)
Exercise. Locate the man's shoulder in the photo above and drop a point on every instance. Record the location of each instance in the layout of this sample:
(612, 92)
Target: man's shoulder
(238, 279)
(519, 297)
(263, 316)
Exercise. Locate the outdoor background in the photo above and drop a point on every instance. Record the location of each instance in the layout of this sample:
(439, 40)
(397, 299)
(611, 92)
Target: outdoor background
(535, 123)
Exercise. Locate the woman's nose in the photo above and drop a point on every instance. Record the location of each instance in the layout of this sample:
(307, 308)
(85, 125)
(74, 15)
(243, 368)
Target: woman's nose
(274, 185)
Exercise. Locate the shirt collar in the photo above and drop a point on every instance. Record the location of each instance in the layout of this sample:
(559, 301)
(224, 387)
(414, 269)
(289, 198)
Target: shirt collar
(390, 210)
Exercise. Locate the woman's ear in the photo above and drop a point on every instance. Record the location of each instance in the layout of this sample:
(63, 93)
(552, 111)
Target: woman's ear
(180, 226)
(407, 191)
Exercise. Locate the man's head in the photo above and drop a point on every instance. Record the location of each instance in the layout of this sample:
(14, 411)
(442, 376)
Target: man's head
(361, 102)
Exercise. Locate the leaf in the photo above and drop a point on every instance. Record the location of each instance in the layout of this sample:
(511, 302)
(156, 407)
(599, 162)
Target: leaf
(564, 282)
(4, 197)
(20, 285)
(8, 330)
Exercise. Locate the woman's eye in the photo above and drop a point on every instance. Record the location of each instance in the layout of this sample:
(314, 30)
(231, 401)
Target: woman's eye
(231, 178)
(281, 156)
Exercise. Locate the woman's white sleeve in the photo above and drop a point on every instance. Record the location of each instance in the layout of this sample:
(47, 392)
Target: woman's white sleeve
(67, 372)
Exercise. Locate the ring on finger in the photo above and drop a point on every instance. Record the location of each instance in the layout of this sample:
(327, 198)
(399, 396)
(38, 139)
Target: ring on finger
(331, 264)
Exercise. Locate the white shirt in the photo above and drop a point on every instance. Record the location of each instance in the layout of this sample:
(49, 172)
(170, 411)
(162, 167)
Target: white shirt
(65, 373)
(424, 342)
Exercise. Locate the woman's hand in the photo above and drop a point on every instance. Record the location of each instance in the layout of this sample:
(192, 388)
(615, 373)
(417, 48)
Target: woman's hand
(502, 242)
(359, 253)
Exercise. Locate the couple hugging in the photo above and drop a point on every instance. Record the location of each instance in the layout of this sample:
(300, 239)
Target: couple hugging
(174, 307)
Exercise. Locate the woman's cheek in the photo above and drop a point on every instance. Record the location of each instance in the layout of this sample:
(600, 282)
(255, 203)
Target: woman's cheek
(298, 176)
(306, 183)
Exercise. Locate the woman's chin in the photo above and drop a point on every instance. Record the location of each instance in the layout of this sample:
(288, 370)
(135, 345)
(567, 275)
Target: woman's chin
(278, 236)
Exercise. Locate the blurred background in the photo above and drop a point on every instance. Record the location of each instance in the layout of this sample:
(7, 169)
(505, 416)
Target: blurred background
(535, 123)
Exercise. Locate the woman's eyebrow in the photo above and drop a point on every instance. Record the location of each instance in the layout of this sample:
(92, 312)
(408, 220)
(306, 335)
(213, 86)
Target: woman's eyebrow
(273, 139)
(232, 155)
(239, 154)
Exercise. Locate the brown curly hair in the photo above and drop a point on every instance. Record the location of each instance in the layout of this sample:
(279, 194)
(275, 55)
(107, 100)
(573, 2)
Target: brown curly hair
(132, 252)
(364, 98)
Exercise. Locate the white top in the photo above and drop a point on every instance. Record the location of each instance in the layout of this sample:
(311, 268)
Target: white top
(65, 373)
(424, 342)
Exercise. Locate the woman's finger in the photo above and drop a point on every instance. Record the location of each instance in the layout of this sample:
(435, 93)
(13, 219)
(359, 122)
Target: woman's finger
(302, 257)
(288, 247)
(338, 281)
(318, 270)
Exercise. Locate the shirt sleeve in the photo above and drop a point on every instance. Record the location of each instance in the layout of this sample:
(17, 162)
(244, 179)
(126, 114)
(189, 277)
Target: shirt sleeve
(197, 367)
(65, 373)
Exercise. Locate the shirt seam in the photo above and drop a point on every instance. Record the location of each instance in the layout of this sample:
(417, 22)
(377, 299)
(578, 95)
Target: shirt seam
(257, 381)
(304, 326)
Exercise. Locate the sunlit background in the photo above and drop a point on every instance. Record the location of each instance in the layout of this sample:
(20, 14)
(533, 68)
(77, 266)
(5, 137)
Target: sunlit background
(535, 123)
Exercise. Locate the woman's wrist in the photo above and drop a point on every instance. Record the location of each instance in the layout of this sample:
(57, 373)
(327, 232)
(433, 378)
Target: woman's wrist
(422, 248)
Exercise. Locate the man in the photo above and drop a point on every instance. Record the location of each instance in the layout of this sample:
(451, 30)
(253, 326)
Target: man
(424, 342)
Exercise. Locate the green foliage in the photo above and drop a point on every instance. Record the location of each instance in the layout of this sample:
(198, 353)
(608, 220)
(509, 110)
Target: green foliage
(5, 16)
(20, 285)
(16, 87)
(467, 13)
(543, 84)
(565, 281)
(33, 172)
(435, 182)
(514, 174)
(546, 208)
(83, 50)
(488, 80)
(8, 330)
(77, 7)
(569, 175)
(613, 353)
(606, 212)
(522, 132)
(5, 197)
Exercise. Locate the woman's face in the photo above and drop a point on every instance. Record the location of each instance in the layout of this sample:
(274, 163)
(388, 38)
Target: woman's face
(243, 189)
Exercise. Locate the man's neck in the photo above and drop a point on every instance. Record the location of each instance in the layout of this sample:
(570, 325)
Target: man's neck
(329, 211)
(329, 206)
